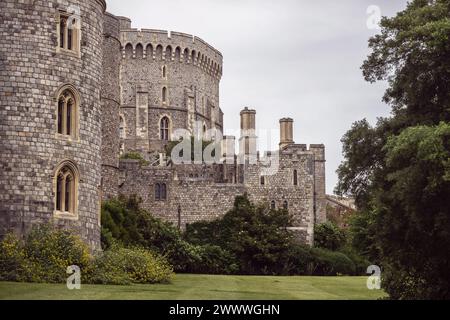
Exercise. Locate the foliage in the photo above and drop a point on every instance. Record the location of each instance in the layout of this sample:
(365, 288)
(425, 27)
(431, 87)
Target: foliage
(398, 170)
(43, 257)
(123, 220)
(121, 266)
(135, 156)
(413, 219)
(257, 237)
(329, 236)
(330, 263)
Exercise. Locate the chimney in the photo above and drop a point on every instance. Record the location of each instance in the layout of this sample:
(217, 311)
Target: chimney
(247, 142)
(286, 132)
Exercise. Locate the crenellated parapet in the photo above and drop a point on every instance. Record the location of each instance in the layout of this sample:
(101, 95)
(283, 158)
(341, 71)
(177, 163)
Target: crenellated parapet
(161, 45)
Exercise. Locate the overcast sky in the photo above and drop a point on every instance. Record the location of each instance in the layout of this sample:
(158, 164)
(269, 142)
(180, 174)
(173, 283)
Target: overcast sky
(285, 58)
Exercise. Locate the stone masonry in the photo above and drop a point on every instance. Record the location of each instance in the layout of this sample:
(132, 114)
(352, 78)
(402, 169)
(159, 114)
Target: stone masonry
(134, 89)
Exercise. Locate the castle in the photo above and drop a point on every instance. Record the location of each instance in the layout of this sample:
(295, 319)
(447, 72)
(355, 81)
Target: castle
(80, 89)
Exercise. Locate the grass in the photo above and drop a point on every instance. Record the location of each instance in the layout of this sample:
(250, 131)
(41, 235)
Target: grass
(205, 287)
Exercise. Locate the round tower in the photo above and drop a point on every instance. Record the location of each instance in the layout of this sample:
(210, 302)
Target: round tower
(50, 115)
(170, 80)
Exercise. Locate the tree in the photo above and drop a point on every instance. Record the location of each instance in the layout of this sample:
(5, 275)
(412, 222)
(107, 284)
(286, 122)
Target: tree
(413, 54)
(413, 222)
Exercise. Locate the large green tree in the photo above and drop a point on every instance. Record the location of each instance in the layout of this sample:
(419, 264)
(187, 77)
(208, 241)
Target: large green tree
(387, 163)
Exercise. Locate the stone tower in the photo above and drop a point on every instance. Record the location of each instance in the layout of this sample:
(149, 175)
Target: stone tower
(169, 80)
(50, 115)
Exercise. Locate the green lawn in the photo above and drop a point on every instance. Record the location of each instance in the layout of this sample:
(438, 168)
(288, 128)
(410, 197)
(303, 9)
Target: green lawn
(204, 287)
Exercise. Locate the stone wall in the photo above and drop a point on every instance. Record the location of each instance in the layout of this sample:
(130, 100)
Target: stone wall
(190, 196)
(201, 192)
(32, 70)
(110, 98)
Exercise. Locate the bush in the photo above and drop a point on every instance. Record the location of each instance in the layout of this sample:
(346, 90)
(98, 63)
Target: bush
(43, 257)
(123, 266)
(46, 253)
(329, 236)
(329, 263)
(13, 263)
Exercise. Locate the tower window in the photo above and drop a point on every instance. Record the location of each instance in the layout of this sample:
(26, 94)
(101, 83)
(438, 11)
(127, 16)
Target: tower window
(66, 190)
(160, 192)
(69, 32)
(164, 72)
(286, 205)
(164, 95)
(165, 129)
(66, 113)
(263, 180)
(273, 205)
(295, 178)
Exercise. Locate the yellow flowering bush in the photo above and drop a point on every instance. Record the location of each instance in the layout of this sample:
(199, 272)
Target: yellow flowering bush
(45, 254)
(121, 266)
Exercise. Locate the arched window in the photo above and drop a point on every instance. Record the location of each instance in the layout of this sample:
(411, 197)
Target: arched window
(164, 95)
(164, 75)
(285, 205)
(263, 180)
(66, 185)
(295, 178)
(69, 32)
(67, 111)
(165, 129)
(160, 192)
(157, 191)
(273, 205)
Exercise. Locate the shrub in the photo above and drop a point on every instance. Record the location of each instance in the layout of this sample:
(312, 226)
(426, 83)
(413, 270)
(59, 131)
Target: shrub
(329, 236)
(122, 266)
(43, 257)
(13, 263)
(329, 263)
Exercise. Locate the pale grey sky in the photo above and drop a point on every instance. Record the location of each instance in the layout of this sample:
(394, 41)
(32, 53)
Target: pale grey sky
(285, 58)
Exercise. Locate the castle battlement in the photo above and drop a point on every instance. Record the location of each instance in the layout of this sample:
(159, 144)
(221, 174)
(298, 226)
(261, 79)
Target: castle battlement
(171, 46)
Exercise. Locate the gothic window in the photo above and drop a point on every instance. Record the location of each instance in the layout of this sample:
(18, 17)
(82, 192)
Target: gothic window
(165, 129)
(285, 205)
(295, 178)
(160, 192)
(273, 205)
(66, 190)
(69, 32)
(164, 95)
(67, 113)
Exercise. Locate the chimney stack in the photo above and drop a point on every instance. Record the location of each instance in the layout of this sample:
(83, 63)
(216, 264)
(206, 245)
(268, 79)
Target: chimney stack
(286, 132)
(247, 142)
